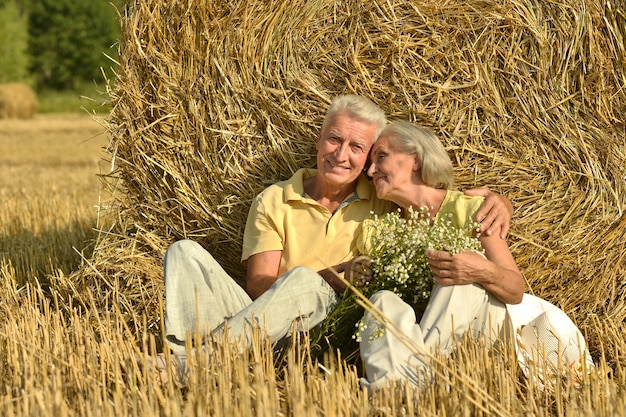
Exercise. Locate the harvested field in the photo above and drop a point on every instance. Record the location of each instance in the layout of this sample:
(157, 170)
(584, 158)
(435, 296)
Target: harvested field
(49, 191)
(213, 102)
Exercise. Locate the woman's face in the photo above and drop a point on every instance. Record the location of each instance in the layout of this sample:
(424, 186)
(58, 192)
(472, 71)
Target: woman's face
(392, 171)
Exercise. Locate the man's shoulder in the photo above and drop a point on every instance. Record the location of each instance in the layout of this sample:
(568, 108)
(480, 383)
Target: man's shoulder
(282, 191)
(271, 195)
(379, 206)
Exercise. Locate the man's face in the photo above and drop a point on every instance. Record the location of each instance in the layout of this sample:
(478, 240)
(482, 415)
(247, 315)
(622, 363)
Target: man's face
(342, 149)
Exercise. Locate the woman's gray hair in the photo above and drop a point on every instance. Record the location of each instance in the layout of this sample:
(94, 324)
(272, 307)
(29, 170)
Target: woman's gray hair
(436, 166)
(360, 108)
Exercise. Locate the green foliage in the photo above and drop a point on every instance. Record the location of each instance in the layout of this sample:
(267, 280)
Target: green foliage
(69, 40)
(13, 43)
(85, 97)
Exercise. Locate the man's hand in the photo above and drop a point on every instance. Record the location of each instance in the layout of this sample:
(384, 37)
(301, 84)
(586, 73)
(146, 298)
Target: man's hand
(359, 271)
(356, 271)
(495, 212)
(331, 276)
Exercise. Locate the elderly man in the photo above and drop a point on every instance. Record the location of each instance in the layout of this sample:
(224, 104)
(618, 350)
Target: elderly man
(296, 230)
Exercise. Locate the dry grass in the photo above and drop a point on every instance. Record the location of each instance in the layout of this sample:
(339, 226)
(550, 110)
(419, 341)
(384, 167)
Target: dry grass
(215, 100)
(76, 362)
(49, 192)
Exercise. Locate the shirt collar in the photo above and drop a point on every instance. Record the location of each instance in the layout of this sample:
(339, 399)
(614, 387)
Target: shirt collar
(294, 187)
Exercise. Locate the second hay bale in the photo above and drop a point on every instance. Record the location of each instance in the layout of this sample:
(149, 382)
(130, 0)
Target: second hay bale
(17, 101)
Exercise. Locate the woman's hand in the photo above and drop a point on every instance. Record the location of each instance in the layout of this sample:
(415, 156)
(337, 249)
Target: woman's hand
(463, 268)
(495, 212)
(501, 278)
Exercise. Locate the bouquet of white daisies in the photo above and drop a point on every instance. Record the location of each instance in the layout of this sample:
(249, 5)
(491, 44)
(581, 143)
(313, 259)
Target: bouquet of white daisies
(396, 243)
(397, 246)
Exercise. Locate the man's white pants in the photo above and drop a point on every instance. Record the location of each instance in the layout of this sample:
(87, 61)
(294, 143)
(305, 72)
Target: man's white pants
(201, 297)
(452, 311)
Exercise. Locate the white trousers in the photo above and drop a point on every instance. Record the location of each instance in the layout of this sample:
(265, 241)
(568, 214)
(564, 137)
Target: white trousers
(201, 297)
(548, 340)
(543, 335)
(452, 311)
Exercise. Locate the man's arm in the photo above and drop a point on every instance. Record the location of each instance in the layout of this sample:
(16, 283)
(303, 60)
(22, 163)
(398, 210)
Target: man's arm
(495, 213)
(262, 272)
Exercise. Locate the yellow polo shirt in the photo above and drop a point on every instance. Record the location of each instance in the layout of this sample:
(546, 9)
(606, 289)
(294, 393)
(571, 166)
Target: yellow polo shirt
(282, 217)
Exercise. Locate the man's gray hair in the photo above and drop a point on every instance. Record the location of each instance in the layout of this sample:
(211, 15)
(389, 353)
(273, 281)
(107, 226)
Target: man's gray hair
(359, 107)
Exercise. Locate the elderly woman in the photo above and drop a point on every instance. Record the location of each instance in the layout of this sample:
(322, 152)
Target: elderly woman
(410, 167)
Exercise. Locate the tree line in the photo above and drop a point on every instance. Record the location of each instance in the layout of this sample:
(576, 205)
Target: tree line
(57, 44)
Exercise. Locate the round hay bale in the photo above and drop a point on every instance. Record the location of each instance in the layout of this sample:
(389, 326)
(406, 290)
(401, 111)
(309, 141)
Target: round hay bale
(213, 101)
(17, 101)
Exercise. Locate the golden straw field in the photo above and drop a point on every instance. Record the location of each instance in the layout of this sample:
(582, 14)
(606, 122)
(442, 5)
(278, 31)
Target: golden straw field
(213, 101)
(64, 359)
(49, 192)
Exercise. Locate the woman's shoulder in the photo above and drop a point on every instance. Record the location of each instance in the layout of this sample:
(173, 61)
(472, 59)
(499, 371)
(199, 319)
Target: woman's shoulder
(459, 199)
(461, 207)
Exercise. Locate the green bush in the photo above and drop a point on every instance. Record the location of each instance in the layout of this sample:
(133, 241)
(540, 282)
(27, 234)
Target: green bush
(84, 97)
(14, 59)
(69, 40)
